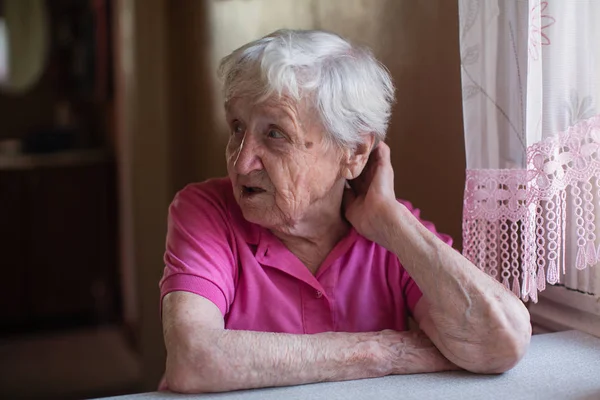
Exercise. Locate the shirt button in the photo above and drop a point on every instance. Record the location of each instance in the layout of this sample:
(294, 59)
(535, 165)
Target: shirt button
(318, 294)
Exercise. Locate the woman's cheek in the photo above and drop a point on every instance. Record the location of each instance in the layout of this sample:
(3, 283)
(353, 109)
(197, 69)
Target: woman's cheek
(290, 182)
(230, 153)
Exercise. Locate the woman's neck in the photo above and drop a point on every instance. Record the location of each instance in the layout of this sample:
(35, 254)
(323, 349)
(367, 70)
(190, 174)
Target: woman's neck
(312, 239)
(312, 248)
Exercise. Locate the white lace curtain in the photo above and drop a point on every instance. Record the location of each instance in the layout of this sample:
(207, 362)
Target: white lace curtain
(531, 94)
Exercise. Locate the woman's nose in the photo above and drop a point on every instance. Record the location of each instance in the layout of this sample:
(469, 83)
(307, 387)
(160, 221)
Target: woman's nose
(247, 159)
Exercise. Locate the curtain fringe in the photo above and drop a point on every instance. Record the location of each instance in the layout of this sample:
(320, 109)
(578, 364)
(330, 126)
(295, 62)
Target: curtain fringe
(518, 223)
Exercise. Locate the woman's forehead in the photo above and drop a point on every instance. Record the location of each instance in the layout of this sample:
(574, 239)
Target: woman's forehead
(273, 104)
(274, 107)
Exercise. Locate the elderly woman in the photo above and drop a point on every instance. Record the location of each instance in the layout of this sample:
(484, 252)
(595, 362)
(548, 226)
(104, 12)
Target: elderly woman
(302, 266)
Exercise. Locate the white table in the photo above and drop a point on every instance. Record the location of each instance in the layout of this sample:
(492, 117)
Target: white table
(563, 365)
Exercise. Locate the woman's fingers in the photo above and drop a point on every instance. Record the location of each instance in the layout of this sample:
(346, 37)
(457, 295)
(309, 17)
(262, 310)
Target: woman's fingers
(376, 171)
(383, 154)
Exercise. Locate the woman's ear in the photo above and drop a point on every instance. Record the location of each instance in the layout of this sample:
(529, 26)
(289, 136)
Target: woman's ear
(357, 157)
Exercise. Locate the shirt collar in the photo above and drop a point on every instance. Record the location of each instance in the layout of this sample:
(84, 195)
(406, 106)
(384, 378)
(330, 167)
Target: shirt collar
(249, 231)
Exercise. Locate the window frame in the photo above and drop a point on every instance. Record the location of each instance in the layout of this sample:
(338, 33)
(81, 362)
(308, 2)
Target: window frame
(4, 56)
(560, 309)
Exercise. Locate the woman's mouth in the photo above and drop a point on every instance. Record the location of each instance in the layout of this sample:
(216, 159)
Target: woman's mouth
(249, 191)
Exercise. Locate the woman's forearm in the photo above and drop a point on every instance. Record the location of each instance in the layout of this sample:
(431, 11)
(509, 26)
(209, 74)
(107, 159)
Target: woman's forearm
(475, 317)
(214, 360)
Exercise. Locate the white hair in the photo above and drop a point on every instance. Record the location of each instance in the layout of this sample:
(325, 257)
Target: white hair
(352, 91)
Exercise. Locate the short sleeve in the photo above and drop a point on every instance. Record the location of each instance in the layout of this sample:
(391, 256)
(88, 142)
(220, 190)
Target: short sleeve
(411, 291)
(200, 250)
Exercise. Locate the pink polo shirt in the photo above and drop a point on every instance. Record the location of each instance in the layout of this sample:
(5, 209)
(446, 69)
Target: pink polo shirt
(259, 285)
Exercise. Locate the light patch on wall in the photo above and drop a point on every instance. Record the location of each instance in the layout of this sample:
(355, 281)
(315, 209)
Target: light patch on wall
(235, 23)
(3, 51)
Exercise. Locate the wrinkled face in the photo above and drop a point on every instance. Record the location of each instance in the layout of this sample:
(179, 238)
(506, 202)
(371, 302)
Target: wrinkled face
(281, 165)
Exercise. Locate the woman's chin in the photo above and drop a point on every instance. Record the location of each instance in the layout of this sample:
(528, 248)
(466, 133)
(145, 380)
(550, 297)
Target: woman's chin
(252, 202)
(260, 213)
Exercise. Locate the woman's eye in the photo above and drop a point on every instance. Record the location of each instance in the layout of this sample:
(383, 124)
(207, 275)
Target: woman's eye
(237, 128)
(275, 134)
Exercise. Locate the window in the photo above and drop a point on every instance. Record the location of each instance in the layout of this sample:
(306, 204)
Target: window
(3, 51)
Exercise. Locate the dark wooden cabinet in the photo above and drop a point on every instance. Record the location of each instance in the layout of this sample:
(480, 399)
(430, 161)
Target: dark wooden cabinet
(14, 255)
(58, 241)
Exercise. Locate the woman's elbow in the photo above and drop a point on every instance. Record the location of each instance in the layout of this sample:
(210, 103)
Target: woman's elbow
(180, 376)
(518, 338)
(181, 379)
(511, 343)
(190, 375)
(507, 351)
(516, 348)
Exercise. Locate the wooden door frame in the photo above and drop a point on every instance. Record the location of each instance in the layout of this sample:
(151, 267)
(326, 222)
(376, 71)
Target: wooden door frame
(143, 162)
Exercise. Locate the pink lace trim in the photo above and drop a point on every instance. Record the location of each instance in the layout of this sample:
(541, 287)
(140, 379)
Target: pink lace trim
(516, 222)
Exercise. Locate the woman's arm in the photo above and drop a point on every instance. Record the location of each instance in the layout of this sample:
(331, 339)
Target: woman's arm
(474, 321)
(202, 356)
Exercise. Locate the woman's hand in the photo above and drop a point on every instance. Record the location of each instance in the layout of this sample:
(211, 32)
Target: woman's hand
(410, 352)
(371, 198)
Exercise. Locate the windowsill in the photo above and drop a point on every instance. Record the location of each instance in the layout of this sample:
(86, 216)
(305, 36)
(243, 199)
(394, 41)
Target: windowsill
(560, 309)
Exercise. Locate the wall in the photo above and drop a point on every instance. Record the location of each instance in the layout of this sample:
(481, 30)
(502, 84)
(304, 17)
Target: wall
(145, 190)
(171, 130)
